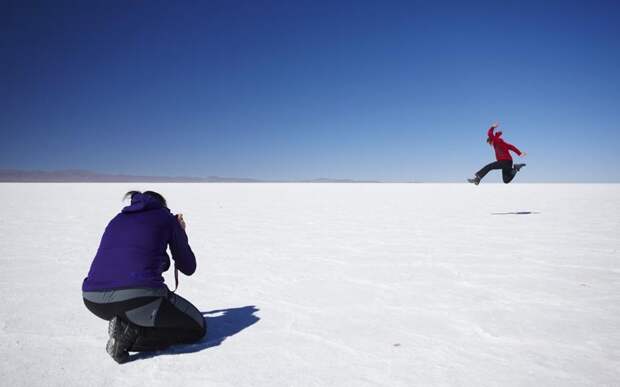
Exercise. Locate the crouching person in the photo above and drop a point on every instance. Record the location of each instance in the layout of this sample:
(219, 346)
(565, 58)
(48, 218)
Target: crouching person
(125, 284)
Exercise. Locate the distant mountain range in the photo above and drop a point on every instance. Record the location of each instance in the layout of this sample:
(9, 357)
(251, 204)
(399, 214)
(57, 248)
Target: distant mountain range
(83, 176)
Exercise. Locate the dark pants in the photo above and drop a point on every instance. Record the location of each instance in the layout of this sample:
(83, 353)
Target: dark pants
(508, 172)
(162, 317)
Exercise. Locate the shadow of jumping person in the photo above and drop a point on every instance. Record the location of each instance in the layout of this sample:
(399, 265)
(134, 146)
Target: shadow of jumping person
(221, 324)
(516, 213)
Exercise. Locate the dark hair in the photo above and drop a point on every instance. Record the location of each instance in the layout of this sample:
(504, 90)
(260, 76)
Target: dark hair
(152, 194)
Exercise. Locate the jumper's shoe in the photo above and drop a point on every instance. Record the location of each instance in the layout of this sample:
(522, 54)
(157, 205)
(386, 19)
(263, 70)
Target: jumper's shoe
(475, 180)
(122, 337)
(518, 166)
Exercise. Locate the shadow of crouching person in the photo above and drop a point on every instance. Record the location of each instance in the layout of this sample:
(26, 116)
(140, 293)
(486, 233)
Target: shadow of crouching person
(220, 324)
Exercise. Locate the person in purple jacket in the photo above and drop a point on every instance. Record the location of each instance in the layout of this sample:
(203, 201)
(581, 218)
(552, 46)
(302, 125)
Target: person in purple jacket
(125, 284)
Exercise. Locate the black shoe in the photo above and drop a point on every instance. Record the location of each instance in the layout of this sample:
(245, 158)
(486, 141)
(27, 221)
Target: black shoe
(518, 166)
(475, 180)
(122, 336)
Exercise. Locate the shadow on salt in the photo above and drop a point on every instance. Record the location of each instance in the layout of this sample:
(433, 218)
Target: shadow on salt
(221, 324)
(516, 213)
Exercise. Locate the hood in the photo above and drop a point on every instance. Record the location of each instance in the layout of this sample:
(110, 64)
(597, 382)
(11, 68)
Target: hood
(142, 202)
(494, 137)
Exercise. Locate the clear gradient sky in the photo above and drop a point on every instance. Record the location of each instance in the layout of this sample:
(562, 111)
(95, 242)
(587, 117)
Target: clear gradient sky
(388, 90)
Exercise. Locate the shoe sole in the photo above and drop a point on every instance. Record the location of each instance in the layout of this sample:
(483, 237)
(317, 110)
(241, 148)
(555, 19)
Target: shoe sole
(111, 350)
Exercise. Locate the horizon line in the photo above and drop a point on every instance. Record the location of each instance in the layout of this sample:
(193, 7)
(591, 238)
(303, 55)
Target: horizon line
(11, 175)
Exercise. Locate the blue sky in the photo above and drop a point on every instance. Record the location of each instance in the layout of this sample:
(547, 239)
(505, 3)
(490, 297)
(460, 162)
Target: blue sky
(388, 90)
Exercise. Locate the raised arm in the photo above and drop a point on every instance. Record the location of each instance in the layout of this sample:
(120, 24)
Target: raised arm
(490, 133)
(513, 148)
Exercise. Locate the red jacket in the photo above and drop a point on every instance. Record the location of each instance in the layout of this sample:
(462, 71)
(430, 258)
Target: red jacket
(501, 147)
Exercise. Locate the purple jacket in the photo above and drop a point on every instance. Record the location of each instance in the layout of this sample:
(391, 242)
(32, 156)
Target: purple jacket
(132, 253)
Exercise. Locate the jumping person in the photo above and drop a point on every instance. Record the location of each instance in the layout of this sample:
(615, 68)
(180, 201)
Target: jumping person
(125, 284)
(502, 154)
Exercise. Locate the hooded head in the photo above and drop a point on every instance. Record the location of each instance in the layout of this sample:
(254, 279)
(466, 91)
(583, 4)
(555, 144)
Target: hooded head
(494, 137)
(142, 201)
